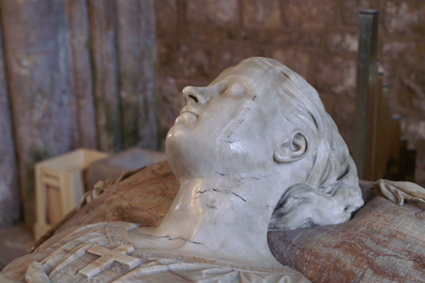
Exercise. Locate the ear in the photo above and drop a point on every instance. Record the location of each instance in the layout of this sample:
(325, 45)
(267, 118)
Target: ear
(292, 150)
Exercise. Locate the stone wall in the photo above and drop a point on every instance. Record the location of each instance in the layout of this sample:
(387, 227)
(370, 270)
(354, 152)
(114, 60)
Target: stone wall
(73, 73)
(196, 40)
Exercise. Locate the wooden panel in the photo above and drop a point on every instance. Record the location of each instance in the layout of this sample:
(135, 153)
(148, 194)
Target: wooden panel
(54, 205)
(36, 65)
(136, 45)
(9, 190)
(103, 30)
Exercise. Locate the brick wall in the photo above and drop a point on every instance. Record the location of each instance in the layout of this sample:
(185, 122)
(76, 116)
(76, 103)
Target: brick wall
(196, 40)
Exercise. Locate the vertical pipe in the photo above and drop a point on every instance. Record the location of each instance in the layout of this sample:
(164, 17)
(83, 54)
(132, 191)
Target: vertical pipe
(366, 93)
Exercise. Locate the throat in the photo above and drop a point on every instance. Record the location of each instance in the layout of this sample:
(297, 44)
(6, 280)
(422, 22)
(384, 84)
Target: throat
(213, 222)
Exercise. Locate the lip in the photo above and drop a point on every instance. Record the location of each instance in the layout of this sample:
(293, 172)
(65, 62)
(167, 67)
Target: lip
(187, 115)
(188, 110)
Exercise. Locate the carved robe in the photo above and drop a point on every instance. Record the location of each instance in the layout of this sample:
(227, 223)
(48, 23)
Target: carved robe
(103, 252)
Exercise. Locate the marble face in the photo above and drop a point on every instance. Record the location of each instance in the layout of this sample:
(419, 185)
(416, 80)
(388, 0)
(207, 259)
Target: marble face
(260, 119)
(231, 126)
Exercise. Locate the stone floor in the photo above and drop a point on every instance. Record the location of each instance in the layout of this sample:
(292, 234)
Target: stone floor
(14, 242)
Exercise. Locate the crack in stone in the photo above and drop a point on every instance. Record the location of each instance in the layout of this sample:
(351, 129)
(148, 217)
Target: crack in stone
(228, 192)
(211, 206)
(235, 194)
(172, 239)
(361, 275)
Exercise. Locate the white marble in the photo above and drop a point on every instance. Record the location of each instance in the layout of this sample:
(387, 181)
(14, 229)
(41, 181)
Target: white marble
(257, 140)
(256, 135)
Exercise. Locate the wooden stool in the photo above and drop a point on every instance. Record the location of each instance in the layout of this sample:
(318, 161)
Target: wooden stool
(60, 186)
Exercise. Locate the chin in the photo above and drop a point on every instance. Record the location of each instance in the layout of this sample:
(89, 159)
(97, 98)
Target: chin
(189, 155)
(177, 147)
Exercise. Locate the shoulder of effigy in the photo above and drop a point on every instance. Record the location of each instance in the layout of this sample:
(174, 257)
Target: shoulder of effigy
(154, 265)
(159, 271)
(97, 232)
(57, 263)
(62, 244)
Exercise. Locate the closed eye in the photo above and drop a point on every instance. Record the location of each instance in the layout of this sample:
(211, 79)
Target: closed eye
(234, 90)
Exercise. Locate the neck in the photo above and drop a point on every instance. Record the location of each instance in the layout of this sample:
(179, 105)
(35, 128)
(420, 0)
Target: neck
(220, 218)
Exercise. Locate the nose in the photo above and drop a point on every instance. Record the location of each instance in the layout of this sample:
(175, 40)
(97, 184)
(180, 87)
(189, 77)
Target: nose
(195, 94)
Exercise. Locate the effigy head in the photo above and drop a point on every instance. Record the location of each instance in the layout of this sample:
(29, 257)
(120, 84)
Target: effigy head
(259, 117)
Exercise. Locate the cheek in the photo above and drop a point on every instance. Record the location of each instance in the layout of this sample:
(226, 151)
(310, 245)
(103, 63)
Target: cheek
(220, 120)
(244, 142)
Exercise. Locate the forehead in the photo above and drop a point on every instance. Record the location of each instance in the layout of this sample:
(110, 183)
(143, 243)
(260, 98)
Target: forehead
(254, 78)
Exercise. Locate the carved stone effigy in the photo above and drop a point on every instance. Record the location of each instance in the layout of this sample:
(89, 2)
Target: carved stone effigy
(104, 252)
(252, 152)
(382, 241)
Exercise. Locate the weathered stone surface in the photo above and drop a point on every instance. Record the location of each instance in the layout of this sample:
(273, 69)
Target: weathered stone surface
(420, 176)
(336, 75)
(298, 61)
(208, 34)
(166, 56)
(80, 74)
(343, 115)
(136, 47)
(37, 71)
(308, 14)
(420, 51)
(395, 49)
(389, 70)
(230, 57)
(413, 128)
(222, 12)
(103, 28)
(298, 38)
(404, 17)
(412, 92)
(342, 42)
(194, 61)
(14, 242)
(171, 102)
(9, 189)
(328, 101)
(261, 13)
(350, 10)
(185, 60)
(382, 243)
(166, 15)
(407, 51)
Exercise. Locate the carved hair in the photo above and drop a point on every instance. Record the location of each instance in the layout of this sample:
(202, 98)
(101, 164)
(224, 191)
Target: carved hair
(331, 192)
